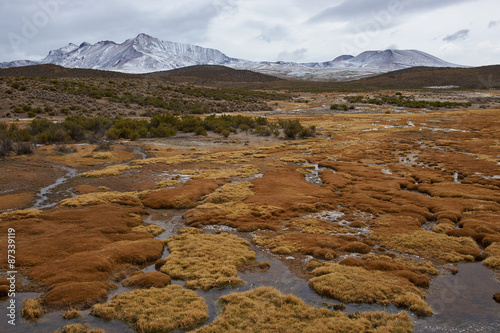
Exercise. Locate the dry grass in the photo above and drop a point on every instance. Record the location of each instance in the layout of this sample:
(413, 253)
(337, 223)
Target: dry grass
(156, 309)
(267, 310)
(229, 193)
(16, 201)
(97, 198)
(318, 227)
(493, 256)
(72, 253)
(71, 314)
(112, 170)
(206, 261)
(298, 159)
(316, 245)
(79, 328)
(152, 229)
(357, 285)
(32, 309)
(423, 243)
(186, 196)
(147, 280)
(19, 214)
(168, 183)
(102, 155)
(242, 172)
(173, 160)
(424, 267)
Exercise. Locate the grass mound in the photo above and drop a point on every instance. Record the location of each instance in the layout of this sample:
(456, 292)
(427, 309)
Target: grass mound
(243, 172)
(186, 196)
(96, 198)
(151, 229)
(147, 280)
(112, 170)
(156, 309)
(229, 193)
(358, 285)
(267, 310)
(206, 261)
(493, 253)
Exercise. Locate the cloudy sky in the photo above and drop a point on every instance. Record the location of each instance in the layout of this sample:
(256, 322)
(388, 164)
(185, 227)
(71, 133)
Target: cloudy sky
(460, 31)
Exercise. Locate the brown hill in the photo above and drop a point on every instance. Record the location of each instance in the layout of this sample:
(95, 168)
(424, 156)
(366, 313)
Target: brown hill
(487, 77)
(55, 71)
(213, 74)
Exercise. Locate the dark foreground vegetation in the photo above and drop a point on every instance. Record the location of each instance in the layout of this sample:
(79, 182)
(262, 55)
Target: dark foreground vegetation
(405, 101)
(95, 130)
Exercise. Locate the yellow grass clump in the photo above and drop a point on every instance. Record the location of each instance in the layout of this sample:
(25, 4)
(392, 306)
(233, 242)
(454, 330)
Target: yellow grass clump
(71, 314)
(229, 193)
(431, 245)
(32, 309)
(156, 309)
(153, 229)
(173, 160)
(293, 159)
(243, 172)
(317, 227)
(358, 285)
(493, 253)
(96, 198)
(112, 170)
(168, 183)
(20, 214)
(265, 309)
(79, 328)
(206, 261)
(102, 156)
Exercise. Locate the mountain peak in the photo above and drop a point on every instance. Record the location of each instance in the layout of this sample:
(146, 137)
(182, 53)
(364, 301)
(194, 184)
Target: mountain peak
(145, 53)
(142, 37)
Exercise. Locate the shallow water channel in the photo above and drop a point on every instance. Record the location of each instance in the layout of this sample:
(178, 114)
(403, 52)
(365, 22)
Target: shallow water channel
(462, 302)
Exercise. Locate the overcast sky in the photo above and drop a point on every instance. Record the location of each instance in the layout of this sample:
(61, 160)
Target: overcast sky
(465, 32)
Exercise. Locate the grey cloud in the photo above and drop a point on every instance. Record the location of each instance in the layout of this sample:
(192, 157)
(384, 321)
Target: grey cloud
(459, 35)
(493, 24)
(94, 20)
(362, 10)
(272, 34)
(295, 55)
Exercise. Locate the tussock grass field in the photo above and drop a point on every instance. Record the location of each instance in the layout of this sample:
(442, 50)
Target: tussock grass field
(369, 207)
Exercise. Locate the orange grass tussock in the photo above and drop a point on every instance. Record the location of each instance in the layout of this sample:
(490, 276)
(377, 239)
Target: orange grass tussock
(72, 253)
(186, 196)
(147, 280)
(358, 285)
(265, 309)
(206, 261)
(156, 309)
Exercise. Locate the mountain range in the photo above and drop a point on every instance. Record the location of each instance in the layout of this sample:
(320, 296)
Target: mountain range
(145, 54)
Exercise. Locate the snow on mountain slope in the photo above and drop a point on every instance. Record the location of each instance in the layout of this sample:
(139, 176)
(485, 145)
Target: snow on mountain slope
(138, 55)
(144, 54)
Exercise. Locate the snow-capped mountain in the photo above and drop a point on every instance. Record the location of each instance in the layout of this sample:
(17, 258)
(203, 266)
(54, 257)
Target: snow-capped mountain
(144, 54)
(346, 67)
(141, 54)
